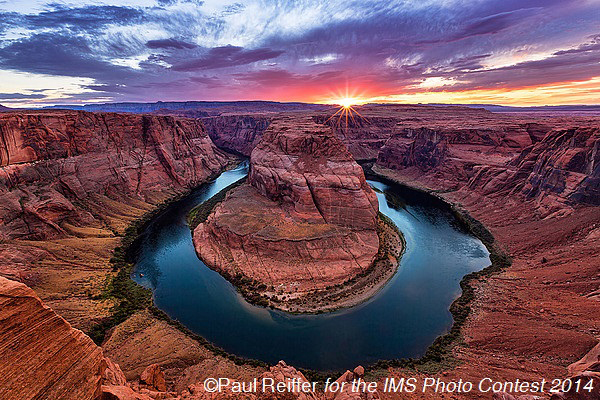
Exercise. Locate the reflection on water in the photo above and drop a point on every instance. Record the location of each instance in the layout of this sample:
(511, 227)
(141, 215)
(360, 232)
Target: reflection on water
(402, 320)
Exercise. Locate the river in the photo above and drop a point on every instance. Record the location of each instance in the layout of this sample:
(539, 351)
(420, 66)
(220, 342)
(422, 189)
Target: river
(401, 320)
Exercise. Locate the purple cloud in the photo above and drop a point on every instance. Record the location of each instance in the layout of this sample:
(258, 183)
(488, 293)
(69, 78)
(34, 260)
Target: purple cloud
(169, 44)
(227, 56)
(391, 46)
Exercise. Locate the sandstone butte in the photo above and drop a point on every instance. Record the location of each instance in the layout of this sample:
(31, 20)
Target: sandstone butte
(306, 219)
(531, 178)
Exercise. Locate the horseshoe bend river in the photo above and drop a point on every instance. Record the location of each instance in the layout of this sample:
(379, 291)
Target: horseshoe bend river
(401, 320)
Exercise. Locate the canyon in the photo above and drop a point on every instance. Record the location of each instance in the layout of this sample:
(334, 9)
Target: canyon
(72, 181)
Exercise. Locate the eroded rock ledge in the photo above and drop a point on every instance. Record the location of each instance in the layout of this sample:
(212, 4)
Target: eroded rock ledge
(306, 220)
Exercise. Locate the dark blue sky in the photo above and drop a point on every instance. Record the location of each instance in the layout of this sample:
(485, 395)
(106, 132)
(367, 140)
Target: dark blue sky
(505, 52)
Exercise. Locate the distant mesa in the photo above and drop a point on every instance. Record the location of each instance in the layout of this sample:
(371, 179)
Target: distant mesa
(211, 107)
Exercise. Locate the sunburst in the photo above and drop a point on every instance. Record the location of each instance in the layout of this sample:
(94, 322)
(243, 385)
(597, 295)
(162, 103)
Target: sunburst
(346, 113)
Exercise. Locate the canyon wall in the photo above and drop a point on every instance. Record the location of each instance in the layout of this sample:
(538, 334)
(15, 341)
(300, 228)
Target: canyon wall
(558, 170)
(74, 179)
(565, 164)
(363, 136)
(53, 162)
(71, 182)
(41, 355)
(237, 133)
(533, 182)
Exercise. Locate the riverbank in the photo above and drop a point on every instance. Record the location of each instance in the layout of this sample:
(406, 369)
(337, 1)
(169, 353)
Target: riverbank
(215, 197)
(125, 295)
(439, 356)
(530, 319)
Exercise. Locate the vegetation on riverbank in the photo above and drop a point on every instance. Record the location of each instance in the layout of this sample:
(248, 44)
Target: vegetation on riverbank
(128, 297)
(200, 213)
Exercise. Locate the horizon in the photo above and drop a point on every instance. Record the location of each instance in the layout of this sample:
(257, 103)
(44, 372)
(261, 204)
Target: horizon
(332, 104)
(510, 53)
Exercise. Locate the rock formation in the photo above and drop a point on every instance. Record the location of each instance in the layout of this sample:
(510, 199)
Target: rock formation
(311, 173)
(585, 370)
(153, 376)
(52, 160)
(236, 133)
(81, 178)
(562, 167)
(565, 164)
(41, 355)
(422, 148)
(305, 220)
(533, 181)
(363, 137)
(285, 373)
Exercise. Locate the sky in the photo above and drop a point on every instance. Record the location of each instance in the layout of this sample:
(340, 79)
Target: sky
(511, 52)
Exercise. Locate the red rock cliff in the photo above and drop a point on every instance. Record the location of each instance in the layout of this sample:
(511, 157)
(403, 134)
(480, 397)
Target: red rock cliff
(236, 133)
(41, 356)
(54, 161)
(310, 171)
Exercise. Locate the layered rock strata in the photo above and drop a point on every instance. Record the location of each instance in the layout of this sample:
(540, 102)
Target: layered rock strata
(41, 355)
(51, 162)
(305, 220)
(558, 171)
(539, 202)
(237, 133)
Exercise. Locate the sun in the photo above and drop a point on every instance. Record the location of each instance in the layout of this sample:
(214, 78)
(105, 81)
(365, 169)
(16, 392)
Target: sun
(348, 102)
(347, 113)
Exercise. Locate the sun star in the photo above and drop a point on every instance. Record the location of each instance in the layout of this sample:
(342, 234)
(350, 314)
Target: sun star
(348, 102)
(346, 113)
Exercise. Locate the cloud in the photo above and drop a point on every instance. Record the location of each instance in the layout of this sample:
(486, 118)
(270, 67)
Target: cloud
(488, 25)
(170, 48)
(208, 81)
(57, 54)
(89, 18)
(578, 64)
(19, 96)
(227, 56)
(594, 45)
(169, 44)
(280, 77)
(495, 23)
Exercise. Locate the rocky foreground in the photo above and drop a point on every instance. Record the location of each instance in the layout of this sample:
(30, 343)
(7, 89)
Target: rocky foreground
(43, 357)
(306, 219)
